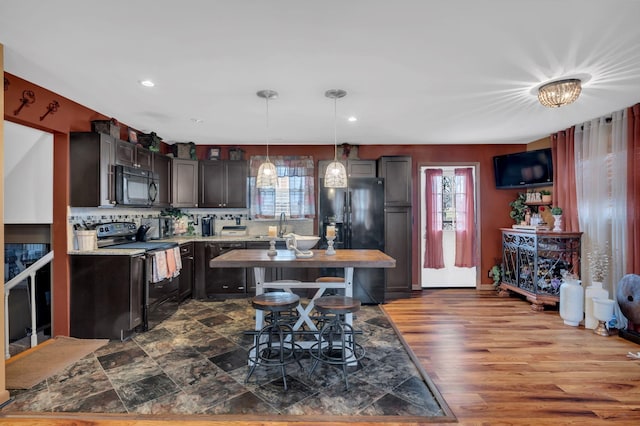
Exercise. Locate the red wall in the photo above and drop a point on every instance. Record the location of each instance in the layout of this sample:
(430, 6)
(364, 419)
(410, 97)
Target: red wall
(493, 204)
(71, 116)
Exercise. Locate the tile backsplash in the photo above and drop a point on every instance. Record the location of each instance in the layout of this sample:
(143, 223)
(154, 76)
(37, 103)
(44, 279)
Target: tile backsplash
(87, 217)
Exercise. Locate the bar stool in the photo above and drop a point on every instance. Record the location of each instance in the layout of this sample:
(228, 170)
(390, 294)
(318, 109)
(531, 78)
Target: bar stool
(275, 344)
(290, 315)
(336, 343)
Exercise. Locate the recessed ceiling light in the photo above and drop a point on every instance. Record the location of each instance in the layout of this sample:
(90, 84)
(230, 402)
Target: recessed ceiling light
(352, 118)
(197, 120)
(147, 83)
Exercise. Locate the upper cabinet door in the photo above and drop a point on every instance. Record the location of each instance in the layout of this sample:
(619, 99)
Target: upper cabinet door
(396, 172)
(128, 154)
(162, 166)
(125, 153)
(184, 183)
(144, 158)
(237, 175)
(211, 180)
(91, 164)
(355, 168)
(223, 183)
(361, 168)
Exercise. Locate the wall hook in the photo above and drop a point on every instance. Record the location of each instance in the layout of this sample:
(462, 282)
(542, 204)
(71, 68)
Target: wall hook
(52, 108)
(28, 97)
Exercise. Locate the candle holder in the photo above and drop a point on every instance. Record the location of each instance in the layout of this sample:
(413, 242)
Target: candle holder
(272, 248)
(330, 251)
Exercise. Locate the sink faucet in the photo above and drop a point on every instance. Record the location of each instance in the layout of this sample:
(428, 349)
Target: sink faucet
(282, 225)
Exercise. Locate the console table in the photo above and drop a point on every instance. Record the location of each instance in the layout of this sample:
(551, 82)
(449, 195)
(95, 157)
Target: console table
(533, 261)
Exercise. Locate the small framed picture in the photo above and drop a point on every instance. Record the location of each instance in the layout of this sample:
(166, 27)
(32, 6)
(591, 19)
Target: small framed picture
(214, 153)
(133, 136)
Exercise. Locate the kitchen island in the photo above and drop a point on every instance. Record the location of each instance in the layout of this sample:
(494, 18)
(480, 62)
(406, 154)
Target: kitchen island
(259, 260)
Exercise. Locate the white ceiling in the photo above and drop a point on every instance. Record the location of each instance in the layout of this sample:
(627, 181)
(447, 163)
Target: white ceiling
(416, 72)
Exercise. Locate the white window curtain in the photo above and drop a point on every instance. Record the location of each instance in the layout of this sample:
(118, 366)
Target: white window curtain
(294, 192)
(600, 158)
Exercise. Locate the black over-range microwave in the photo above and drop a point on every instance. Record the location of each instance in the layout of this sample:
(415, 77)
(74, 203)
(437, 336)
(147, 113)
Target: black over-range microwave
(136, 187)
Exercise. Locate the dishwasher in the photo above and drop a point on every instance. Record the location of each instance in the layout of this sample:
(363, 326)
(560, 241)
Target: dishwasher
(221, 281)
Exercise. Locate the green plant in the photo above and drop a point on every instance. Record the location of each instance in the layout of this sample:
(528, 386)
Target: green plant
(556, 210)
(545, 192)
(173, 212)
(496, 274)
(519, 208)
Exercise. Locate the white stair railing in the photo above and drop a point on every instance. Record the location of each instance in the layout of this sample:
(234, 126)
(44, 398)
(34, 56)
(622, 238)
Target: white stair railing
(29, 273)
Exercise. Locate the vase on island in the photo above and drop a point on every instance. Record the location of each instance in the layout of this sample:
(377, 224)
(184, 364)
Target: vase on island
(557, 222)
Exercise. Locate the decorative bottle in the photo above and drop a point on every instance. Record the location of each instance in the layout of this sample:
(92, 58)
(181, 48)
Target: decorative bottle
(594, 290)
(571, 301)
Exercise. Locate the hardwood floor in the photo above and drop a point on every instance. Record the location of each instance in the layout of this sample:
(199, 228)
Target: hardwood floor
(495, 361)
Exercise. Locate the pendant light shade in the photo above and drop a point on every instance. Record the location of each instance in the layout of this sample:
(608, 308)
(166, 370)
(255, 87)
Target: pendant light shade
(335, 175)
(267, 174)
(559, 93)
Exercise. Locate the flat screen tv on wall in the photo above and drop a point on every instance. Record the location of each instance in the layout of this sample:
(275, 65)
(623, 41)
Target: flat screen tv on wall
(523, 169)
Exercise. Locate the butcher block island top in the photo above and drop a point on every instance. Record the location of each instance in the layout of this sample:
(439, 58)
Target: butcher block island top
(356, 258)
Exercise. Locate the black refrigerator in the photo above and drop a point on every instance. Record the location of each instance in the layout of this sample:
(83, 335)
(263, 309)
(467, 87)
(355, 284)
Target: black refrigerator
(357, 212)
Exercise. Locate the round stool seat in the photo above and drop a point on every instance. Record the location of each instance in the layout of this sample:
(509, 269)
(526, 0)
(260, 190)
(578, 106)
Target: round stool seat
(330, 279)
(275, 301)
(337, 304)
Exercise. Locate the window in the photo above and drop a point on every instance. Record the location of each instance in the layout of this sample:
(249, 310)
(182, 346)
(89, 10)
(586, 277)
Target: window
(294, 193)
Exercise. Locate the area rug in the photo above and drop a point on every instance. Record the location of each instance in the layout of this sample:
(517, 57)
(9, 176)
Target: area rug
(31, 367)
(192, 365)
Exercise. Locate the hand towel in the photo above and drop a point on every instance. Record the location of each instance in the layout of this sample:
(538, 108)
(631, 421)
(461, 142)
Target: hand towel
(171, 263)
(178, 257)
(159, 272)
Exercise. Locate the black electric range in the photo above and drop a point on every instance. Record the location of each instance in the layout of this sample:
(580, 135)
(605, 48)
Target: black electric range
(122, 235)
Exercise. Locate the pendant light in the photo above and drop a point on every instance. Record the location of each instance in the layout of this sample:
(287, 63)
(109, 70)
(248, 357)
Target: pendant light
(335, 175)
(267, 174)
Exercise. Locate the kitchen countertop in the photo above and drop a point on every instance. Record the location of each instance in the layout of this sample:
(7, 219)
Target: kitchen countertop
(180, 239)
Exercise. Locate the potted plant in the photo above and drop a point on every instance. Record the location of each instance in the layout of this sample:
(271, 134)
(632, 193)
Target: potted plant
(546, 196)
(519, 208)
(556, 212)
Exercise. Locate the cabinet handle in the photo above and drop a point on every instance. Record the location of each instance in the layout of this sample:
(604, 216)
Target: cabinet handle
(225, 286)
(189, 257)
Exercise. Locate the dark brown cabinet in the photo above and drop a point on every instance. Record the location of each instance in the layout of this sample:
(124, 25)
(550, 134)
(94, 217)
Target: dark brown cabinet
(132, 155)
(223, 183)
(397, 240)
(91, 169)
(398, 187)
(105, 296)
(398, 223)
(162, 167)
(184, 183)
(355, 168)
(186, 274)
(223, 281)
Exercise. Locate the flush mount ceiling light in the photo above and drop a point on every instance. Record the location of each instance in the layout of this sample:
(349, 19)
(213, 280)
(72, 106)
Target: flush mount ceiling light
(267, 174)
(147, 83)
(559, 93)
(336, 174)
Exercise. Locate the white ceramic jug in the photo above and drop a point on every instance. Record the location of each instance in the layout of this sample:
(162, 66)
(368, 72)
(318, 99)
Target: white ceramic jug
(571, 302)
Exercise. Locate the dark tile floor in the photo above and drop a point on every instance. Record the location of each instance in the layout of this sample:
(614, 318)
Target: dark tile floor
(194, 361)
